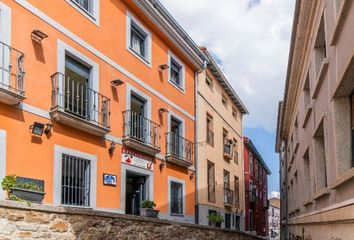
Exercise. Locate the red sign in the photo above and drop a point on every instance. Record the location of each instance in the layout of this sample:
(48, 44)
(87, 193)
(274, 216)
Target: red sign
(137, 159)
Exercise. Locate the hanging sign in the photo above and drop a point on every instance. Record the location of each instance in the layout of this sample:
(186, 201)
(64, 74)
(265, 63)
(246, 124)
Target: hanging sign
(137, 159)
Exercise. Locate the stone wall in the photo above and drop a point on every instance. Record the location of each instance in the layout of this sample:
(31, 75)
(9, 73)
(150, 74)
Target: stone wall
(20, 221)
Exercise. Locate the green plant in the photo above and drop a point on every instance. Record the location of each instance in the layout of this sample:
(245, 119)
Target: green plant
(148, 204)
(8, 182)
(217, 218)
(29, 186)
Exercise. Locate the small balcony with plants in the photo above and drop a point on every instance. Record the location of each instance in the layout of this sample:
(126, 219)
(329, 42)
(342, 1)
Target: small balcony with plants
(12, 75)
(140, 133)
(179, 150)
(77, 105)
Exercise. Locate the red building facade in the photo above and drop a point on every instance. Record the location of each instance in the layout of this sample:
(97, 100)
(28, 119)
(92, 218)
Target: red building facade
(256, 190)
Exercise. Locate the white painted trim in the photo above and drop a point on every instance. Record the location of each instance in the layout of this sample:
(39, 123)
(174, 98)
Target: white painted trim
(5, 23)
(64, 49)
(94, 16)
(185, 219)
(148, 42)
(34, 110)
(183, 182)
(58, 151)
(68, 33)
(2, 160)
(183, 73)
(136, 91)
(139, 171)
(5, 37)
(178, 117)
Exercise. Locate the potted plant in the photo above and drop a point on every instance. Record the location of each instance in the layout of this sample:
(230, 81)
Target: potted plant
(147, 209)
(215, 219)
(24, 189)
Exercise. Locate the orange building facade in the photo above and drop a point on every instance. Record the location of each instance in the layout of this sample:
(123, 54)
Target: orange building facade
(97, 100)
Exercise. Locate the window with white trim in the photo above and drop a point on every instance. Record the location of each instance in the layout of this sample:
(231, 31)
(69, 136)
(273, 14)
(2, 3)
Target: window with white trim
(138, 40)
(76, 181)
(176, 200)
(87, 5)
(176, 72)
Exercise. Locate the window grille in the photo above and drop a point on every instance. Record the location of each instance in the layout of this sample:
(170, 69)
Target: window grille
(76, 181)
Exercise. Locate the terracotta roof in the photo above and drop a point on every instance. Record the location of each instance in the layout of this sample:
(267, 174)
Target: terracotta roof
(274, 202)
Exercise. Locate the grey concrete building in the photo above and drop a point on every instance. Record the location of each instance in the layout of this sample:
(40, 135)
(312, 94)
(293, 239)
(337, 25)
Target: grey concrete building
(315, 124)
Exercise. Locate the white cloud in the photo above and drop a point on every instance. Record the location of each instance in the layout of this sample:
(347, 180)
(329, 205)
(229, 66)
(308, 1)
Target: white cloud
(251, 37)
(274, 194)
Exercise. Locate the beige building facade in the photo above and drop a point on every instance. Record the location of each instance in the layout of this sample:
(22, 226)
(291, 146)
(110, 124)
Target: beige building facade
(315, 124)
(220, 178)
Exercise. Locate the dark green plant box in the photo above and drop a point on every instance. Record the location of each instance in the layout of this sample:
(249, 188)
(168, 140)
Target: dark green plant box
(29, 195)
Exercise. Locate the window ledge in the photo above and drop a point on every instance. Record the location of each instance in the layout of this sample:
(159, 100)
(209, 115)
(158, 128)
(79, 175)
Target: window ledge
(177, 87)
(320, 77)
(321, 193)
(341, 15)
(343, 178)
(307, 203)
(176, 215)
(140, 57)
(307, 116)
(93, 17)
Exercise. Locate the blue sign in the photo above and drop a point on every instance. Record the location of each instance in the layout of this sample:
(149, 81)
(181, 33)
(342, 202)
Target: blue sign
(109, 179)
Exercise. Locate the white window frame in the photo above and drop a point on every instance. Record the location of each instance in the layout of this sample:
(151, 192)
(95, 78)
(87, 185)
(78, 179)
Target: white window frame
(58, 154)
(143, 172)
(5, 36)
(183, 182)
(183, 72)
(179, 118)
(2, 160)
(5, 24)
(65, 49)
(132, 90)
(94, 16)
(147, 44)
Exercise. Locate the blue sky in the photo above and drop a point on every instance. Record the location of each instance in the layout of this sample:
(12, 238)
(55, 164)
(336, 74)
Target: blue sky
(264, 141)
(250, 39)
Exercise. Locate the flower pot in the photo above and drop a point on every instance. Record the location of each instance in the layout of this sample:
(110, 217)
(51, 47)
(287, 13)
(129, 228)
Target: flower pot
(29, 195)
(148, 212)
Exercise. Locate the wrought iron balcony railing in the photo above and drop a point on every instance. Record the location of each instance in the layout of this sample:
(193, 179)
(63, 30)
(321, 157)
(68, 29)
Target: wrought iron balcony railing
(141, 129)
(228, 196)
(210, 137)
(75, 98)
(179, 147)
(11, 69)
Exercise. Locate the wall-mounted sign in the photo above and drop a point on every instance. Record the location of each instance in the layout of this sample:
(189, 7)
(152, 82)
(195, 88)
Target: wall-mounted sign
(109, 179)
(137, 159)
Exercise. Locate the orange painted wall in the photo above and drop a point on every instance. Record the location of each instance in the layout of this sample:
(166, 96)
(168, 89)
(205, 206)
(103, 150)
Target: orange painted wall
(34, 159)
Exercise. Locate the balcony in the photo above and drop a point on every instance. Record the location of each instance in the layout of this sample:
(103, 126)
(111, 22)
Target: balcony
(253, 197)
(228, 150)
(228, 197)
(78, 106)
(179, 150)
(141, 133)
(210, 137)
(11, 75)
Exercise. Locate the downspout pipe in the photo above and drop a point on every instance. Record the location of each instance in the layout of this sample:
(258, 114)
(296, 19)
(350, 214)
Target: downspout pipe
(196, 86)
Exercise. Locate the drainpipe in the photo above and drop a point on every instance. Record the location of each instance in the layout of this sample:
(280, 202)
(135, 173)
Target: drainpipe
(196, 145)
(196, 80)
